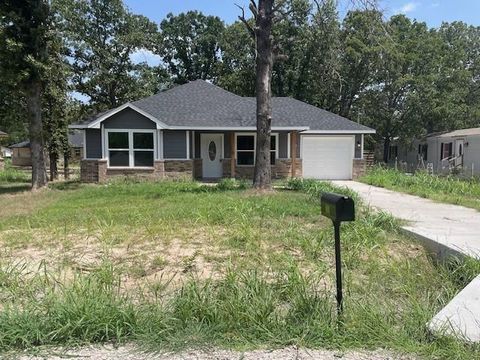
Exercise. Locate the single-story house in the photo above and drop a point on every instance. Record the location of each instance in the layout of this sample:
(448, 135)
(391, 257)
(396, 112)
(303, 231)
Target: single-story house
(3, 135)
(21, 155)
(442, 152)
(199, 130)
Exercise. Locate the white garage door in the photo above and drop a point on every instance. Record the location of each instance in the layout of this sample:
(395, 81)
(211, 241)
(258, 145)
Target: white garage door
(327, 157)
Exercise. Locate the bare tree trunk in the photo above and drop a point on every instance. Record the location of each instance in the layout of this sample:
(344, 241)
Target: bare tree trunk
(262, 178)
(39, 172)
(53, 165)
(66, 166)
(386, 149)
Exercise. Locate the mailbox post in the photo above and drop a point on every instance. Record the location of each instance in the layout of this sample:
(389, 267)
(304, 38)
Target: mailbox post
(338, 208)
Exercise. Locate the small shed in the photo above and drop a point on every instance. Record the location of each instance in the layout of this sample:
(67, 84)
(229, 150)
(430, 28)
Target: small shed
(21, 154)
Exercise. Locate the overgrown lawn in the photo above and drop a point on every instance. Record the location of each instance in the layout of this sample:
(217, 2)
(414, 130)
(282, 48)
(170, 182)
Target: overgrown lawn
(176, 264)
(449, 189)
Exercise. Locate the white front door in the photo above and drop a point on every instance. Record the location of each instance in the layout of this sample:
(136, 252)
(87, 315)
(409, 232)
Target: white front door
(459, 151)
(460, 145)
(211, 152)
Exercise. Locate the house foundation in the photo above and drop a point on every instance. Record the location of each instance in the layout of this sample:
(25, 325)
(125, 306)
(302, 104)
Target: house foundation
(282, 169)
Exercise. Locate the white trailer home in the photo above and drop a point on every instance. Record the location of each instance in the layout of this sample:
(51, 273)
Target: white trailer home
(458, 151)
(442, 153)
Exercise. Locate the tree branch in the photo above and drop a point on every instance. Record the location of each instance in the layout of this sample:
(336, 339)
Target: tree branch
(245, 21)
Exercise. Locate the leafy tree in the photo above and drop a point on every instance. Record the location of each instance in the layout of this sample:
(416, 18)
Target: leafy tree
(102, 36)
(13, 117)
(189, 46)
(291, 40)
(386, 101)
(361, 38)
(55, 110)
(25, 31)
(319, 79)
(236, 71)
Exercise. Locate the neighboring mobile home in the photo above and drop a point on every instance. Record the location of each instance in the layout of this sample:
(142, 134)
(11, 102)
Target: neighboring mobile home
(198, 130)
(458, 150)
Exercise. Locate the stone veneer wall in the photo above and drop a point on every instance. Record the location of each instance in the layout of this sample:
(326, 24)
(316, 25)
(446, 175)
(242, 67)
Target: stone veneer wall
(93, 170)
(97, 171)
(197, 169)
(281, 170)
(179, 169)
(359, 168)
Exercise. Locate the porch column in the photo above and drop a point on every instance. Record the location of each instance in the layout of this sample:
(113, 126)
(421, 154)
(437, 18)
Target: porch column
(362, 146)
(233, 154)
(293, 151)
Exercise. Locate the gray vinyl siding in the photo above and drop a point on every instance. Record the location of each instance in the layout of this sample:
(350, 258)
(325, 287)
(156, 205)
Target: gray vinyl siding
(174, 144)
(283, 145)
(93, 144)
(227, 145)
(197, 145)
(128, 119)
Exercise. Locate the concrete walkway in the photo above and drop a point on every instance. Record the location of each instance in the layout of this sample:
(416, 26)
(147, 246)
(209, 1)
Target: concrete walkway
(445, 230)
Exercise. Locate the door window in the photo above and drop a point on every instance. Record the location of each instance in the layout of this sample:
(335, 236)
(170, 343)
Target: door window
(212, 151)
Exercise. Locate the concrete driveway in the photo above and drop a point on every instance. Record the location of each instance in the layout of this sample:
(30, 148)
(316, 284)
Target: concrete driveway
(446, 230)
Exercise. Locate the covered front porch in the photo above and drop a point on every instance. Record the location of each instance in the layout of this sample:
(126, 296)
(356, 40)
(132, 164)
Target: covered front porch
(231, 154)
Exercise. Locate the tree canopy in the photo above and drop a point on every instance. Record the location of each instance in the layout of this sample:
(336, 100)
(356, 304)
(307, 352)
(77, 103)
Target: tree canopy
(396, 75)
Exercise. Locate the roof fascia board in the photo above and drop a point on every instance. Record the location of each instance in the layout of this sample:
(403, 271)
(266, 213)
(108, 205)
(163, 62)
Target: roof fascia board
(369, 131)
(96, 124)
(237, 128)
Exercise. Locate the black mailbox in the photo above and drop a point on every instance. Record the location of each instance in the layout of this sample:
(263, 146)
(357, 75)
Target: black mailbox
(338, 207)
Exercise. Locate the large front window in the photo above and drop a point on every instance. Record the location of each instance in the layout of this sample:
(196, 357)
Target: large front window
(246, 149)
(132, 148)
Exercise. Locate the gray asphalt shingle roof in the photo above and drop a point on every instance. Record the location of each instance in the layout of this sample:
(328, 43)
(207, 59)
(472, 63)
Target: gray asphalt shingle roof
(201, 104)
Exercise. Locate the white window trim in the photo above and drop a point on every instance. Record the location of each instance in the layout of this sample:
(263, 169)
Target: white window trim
(193, 145)
(131, 150)
(362, 146)
(288, 145)
(99, 122)
(277, 146)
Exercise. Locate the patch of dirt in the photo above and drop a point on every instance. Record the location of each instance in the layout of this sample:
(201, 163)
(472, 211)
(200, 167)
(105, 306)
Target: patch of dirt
(129, 352)
(139, 263)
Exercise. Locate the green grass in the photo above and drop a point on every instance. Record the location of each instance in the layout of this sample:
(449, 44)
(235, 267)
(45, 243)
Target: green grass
(13, 180)
(175, 264)
(449, 189)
